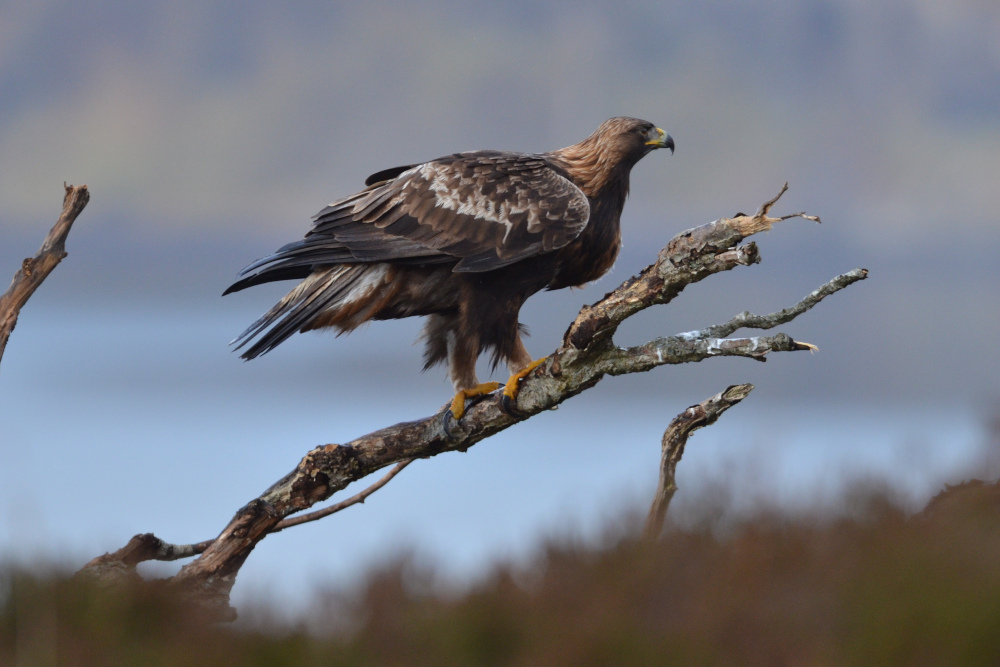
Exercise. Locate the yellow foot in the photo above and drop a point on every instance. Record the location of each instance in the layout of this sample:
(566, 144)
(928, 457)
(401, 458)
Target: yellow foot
(458, 403)
(806, 346)
(512, 387)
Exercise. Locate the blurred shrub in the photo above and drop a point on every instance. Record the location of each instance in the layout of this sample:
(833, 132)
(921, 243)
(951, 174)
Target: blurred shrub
(876, 588)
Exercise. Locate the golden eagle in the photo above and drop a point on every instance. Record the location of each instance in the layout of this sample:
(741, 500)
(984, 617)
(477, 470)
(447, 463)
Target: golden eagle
(464, 239)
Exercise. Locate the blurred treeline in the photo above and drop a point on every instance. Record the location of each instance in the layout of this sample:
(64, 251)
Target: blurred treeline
(877, 585)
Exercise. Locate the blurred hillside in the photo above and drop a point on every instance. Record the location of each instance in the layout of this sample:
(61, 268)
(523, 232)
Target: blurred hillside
(247, 113)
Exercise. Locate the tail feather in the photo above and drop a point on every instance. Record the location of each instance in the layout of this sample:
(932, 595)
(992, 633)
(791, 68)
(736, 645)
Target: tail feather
(320, 293)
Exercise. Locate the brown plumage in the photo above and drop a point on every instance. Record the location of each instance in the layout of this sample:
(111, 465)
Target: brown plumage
(464, 239)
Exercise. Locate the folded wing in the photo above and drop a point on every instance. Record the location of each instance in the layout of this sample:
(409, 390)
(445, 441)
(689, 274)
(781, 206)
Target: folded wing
(478, 211)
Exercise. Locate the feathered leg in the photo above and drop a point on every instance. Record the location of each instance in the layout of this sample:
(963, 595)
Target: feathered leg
(463, 350)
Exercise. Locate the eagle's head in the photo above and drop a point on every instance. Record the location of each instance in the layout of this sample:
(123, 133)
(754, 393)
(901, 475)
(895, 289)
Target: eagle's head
(630, 137)
(613, 149)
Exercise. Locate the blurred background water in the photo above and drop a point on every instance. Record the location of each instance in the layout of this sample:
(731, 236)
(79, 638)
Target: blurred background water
(209, 134)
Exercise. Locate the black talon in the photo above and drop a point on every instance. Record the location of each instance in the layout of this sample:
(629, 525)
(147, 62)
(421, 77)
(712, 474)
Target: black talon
(508, 406)
(447, 417)
(446, 420)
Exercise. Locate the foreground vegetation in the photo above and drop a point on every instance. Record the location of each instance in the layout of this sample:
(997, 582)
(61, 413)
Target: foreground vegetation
(880, 587)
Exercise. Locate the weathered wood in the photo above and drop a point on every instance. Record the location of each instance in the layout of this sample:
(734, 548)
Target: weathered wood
(672, 449)
(356, 499)
(34, 270)
(120, 565)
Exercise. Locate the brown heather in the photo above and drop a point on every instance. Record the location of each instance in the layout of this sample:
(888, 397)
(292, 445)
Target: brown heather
(879, 588)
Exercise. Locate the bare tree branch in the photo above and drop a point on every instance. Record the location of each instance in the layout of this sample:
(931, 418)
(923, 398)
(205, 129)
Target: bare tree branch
(586, 355)
(343, 504)
(36, 269)
(747, 320)
(119, 566)
(690, 257)
(147, 546)
(697, 345)
(674, 439)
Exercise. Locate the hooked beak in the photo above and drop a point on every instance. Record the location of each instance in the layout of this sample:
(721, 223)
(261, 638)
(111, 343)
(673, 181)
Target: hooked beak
(664, 140)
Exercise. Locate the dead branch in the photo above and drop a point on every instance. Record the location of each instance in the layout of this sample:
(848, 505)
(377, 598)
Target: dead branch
(672, 449)
(586, 355)
(114, 567)
(120, 565)
(36, 269)
(343, 504)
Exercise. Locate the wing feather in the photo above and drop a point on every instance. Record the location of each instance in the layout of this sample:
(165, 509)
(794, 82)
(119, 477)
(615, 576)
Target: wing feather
(481, 210)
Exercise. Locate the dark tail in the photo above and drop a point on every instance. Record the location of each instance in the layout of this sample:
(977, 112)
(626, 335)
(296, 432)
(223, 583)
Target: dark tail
(321, 293)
